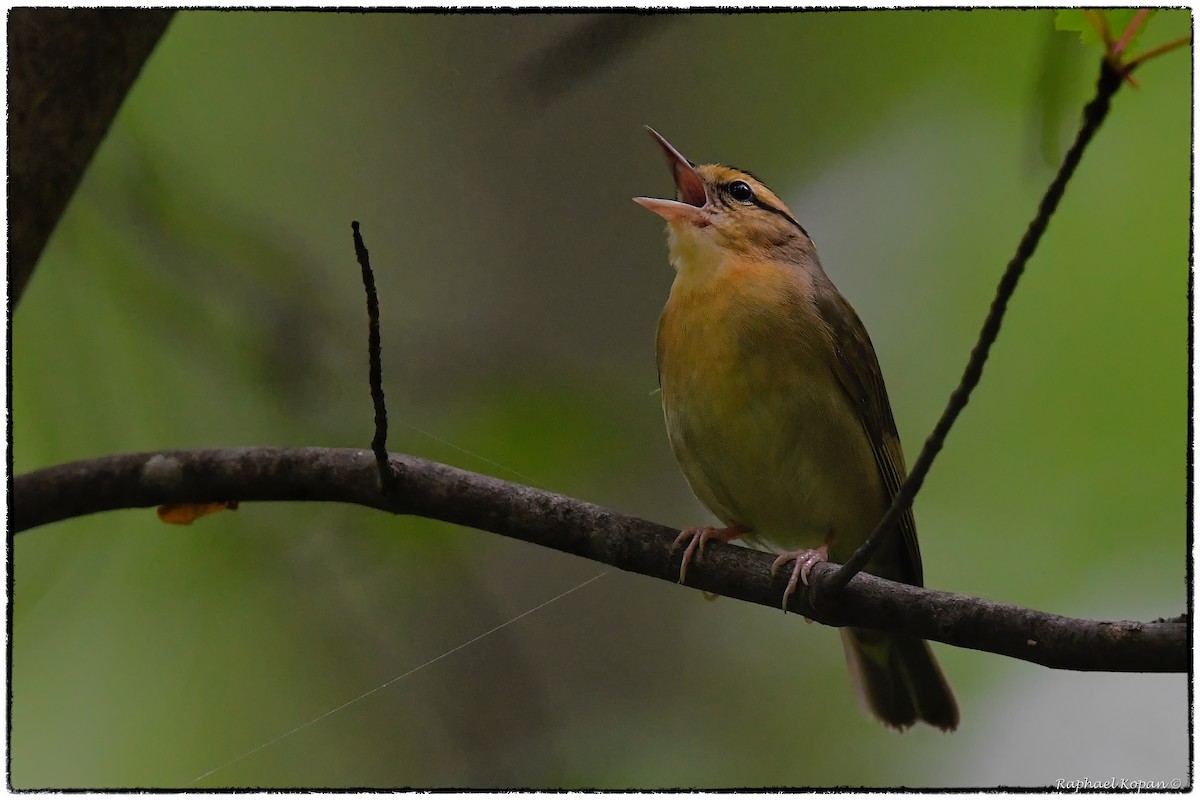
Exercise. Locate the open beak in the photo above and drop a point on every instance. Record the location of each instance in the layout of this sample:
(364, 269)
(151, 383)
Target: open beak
(688, 187)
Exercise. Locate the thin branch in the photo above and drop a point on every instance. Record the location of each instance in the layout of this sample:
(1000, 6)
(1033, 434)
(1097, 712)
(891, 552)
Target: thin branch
(437, 491)
(1100, 23)
(379, 442)
(1095, 112)
(1155, 52)
(1130, 29)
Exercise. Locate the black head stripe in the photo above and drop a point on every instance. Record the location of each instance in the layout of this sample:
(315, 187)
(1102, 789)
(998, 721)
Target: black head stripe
(758, 201)
(745, 172)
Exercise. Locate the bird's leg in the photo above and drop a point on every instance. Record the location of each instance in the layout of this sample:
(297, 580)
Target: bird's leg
(698, 537)
(805, 559)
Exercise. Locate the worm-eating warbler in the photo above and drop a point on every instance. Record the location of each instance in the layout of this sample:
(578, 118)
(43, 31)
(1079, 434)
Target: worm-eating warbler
(776, 410)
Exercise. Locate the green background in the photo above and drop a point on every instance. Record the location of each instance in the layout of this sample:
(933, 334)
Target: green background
(202, 291)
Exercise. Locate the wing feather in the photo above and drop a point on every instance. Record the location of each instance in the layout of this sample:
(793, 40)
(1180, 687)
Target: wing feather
(857, 369)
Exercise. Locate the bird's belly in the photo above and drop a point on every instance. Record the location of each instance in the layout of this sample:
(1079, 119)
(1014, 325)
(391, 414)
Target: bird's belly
(771, 443)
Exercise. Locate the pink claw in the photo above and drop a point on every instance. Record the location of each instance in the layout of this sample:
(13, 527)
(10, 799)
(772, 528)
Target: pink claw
(805, 559)
(698, 537)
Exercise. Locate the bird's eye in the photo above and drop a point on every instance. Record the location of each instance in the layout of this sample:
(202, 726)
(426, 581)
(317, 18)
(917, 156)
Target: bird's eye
(741, 191)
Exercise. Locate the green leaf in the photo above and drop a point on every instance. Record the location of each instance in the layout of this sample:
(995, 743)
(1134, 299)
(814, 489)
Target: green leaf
(1075, 19)
(1072, 19)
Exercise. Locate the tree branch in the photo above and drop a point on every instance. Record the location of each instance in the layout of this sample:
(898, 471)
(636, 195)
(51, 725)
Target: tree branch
(1093, 117)
(429, 489)
(69, 71)
(374, 360)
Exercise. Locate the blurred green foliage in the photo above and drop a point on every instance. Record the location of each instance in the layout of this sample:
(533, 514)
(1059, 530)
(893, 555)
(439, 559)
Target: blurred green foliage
(202, 291)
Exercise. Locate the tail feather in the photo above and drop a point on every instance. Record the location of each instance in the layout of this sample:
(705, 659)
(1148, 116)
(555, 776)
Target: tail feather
(897, 680)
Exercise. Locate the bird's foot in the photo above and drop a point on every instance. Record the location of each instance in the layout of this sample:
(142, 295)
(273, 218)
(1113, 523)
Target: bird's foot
(805, 559)
(698, 537)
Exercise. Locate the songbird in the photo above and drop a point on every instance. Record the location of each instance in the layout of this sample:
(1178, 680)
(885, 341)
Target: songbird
(776, 410)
